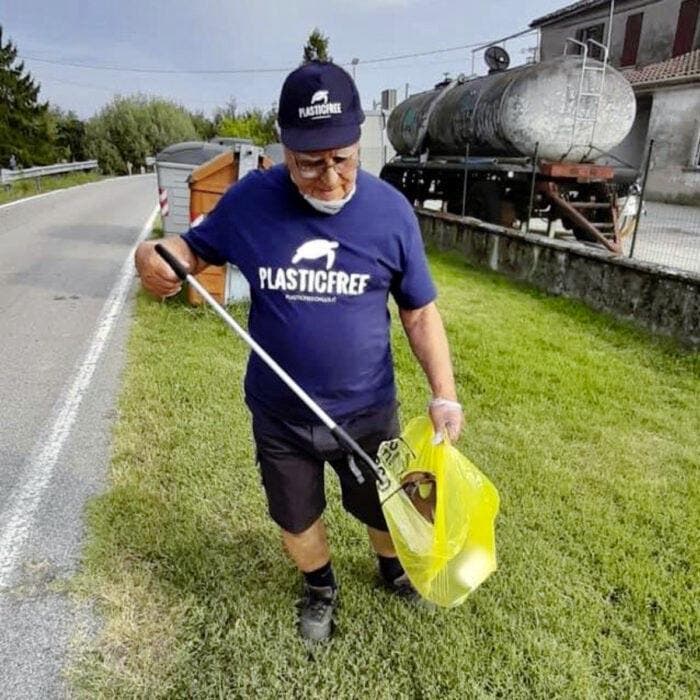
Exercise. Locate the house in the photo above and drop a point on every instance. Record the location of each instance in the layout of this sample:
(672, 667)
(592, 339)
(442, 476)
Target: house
(668, 111)
(656, 44)
(643, 31)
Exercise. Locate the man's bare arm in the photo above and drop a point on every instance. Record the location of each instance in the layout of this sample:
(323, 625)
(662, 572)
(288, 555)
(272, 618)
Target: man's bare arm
(427, 338)
(156, 275)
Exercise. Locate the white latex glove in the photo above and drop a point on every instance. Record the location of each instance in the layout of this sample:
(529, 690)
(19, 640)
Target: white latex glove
(447, 416)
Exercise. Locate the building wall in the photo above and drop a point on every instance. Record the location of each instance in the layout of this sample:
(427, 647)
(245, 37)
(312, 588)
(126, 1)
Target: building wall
(375, 148)
(633, 148)
(674, 124)
(656, 40)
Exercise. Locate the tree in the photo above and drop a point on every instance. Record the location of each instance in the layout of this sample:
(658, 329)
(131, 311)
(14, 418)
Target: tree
(228, 111)
(316, 48)
(205, 127)
(259, 126)
(25, 125)
(131, 128)
(69, 134)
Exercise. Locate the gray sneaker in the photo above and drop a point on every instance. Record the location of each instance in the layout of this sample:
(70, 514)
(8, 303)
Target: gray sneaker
(316, 609)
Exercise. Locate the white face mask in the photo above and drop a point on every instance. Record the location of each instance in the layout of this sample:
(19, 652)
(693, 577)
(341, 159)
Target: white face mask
(332, 206)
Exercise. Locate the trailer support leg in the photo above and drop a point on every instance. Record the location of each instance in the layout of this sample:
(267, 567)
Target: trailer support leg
(551, 191)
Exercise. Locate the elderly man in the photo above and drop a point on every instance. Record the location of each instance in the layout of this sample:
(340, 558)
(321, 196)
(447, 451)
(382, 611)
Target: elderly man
(322, 244)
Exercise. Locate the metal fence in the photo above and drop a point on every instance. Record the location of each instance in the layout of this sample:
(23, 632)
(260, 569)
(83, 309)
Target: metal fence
(668, 234)
(7, 177)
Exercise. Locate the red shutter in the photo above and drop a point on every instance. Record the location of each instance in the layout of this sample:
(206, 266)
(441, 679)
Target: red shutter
(633, 31)
(685, 32)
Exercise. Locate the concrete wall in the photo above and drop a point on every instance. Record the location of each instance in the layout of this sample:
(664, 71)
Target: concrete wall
(674, 125)
(662, 300)
(656, 40)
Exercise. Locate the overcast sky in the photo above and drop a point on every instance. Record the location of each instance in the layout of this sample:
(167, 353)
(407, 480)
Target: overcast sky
(210, 35)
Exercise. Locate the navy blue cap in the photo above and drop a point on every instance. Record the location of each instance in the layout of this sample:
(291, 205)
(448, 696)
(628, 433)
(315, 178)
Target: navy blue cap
(319, 108)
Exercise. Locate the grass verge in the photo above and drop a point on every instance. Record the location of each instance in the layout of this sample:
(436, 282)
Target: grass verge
(590, 430)
(27, 188)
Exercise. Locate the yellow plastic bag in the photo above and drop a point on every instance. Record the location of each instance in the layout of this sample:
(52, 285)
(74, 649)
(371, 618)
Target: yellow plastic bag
(445, 559)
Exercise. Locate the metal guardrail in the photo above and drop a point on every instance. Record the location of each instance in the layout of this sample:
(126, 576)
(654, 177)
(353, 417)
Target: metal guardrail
(9, 176)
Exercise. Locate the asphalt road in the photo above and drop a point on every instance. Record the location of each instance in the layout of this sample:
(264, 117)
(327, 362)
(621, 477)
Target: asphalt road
(63, 320)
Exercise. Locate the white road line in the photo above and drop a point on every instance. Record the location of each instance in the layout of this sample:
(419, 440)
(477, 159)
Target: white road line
(25, 502)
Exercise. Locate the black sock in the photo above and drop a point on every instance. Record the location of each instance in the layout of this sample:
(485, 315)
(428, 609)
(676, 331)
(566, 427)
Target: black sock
(321, 578)
(390, 568)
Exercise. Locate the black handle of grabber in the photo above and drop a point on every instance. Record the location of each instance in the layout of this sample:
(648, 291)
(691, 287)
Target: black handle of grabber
(174, 263)
(347, 443)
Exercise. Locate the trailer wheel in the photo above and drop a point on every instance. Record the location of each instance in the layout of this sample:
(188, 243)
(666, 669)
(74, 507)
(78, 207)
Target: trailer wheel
(483, 201)
(486, 201)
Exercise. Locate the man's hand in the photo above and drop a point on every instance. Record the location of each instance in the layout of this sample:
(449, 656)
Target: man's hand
(447, 417)
(156, 275)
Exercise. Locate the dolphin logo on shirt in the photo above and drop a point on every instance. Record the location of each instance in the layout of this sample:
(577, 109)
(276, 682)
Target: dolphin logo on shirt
(313, 250)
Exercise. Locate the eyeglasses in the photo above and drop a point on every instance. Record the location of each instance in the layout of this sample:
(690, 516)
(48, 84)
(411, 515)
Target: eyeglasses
(311, 168)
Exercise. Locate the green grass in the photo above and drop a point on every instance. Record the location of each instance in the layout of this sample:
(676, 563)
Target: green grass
(590, 430)
(28, 188)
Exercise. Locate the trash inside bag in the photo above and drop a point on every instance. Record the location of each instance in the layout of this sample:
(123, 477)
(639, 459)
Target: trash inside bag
(440, 510)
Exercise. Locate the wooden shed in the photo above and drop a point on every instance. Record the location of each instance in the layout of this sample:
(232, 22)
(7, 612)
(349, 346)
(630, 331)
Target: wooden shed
(207, 184)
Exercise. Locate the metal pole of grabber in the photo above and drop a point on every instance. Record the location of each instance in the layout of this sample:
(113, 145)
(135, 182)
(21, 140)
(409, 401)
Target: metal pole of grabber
(464, 184)
(641, 197)
(532, 186)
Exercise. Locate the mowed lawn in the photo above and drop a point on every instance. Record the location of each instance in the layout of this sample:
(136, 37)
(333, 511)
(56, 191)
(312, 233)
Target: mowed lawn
(589, 429)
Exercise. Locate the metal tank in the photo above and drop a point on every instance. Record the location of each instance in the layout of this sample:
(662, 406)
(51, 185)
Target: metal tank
(574, 111)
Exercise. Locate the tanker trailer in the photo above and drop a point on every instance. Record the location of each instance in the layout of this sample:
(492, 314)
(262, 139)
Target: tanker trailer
(484, 146)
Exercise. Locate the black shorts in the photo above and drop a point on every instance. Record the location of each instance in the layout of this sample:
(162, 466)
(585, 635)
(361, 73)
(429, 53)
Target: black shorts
(292, 456)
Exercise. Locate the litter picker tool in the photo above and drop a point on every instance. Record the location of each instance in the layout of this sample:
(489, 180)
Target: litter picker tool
(439, 508)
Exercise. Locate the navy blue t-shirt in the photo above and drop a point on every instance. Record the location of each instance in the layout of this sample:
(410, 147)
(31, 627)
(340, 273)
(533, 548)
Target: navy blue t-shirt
(319, 287)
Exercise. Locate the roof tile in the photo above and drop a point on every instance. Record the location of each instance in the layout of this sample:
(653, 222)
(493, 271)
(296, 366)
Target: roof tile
(686, 65)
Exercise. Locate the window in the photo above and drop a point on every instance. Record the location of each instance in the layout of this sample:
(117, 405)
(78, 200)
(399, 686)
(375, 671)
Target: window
(685, 30)
(633, 30)
(595, 32)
